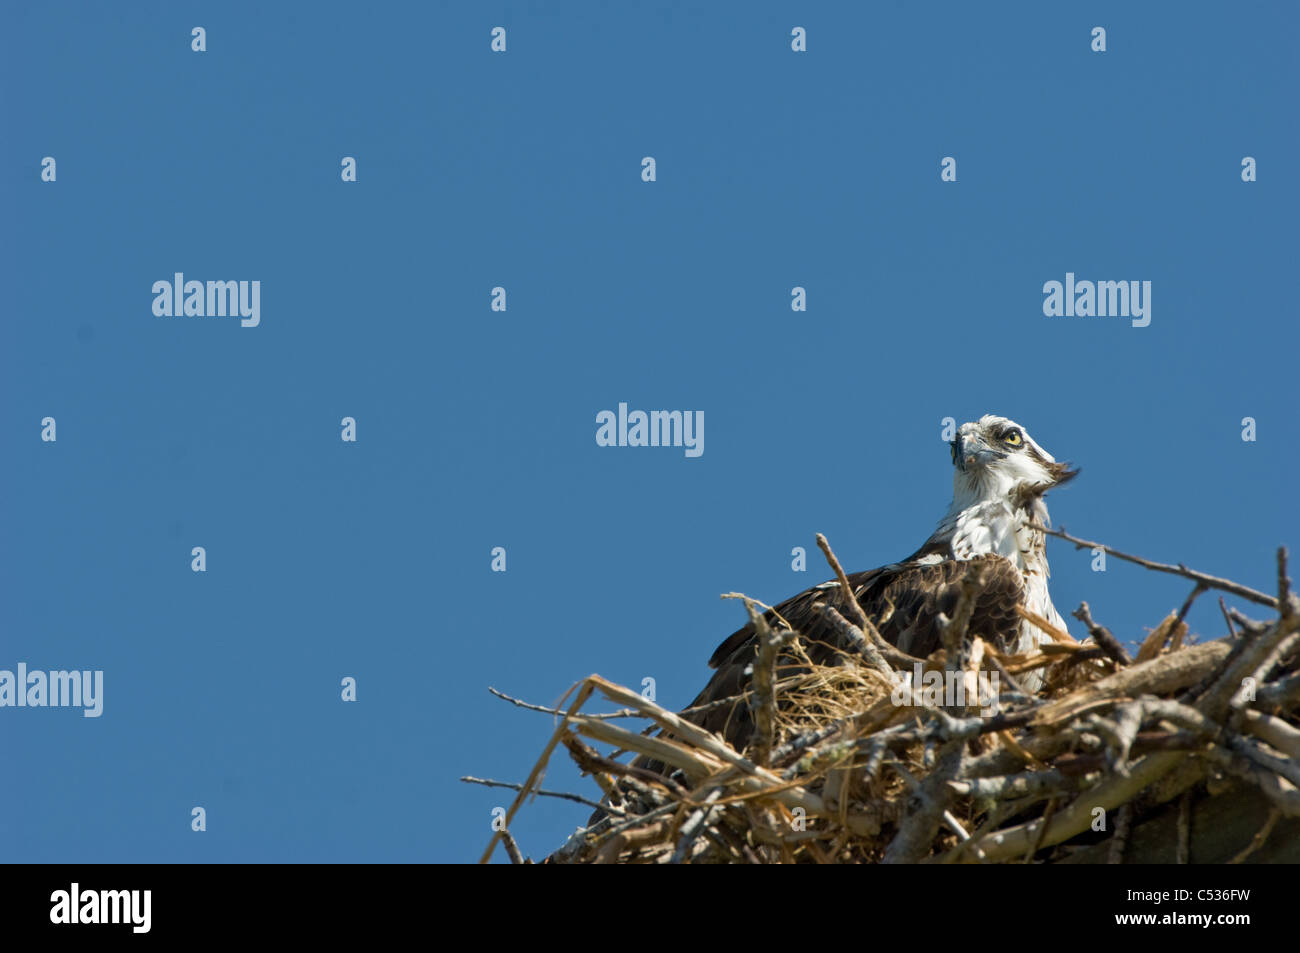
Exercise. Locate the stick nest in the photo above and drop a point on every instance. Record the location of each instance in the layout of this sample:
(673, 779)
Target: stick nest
(878, 759)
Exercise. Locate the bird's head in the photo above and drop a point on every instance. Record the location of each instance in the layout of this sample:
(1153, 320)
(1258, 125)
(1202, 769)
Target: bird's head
(995, 457)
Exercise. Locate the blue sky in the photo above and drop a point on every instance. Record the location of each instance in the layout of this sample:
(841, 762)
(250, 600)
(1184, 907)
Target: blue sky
(476, 428)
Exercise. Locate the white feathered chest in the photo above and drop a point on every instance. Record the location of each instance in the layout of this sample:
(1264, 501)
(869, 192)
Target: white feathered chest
(995, 526)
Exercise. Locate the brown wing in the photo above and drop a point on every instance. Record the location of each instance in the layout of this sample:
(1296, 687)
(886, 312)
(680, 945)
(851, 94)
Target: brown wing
(915, 592)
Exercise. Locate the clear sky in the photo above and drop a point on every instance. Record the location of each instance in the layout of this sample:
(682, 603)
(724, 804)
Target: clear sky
(476, 428)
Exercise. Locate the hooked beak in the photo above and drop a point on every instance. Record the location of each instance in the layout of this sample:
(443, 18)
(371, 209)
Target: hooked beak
(973, 452)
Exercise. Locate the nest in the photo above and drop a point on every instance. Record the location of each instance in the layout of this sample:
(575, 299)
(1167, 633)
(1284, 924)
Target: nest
(882, 758)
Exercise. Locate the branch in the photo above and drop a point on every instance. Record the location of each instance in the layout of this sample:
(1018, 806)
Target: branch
(953, 631)
(764, 678)
(850, 600)
(1213, 582)
(852, 635)
(701, 817)
(488, 782)
(1102, 635)
(625, 713)
(512, 849)
(1078, 816)
(927, 804)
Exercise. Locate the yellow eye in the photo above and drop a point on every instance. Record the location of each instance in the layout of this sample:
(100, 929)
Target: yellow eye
(1012, 439)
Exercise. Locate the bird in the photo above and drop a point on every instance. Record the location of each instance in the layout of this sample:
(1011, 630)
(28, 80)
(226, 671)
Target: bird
(1000, 476)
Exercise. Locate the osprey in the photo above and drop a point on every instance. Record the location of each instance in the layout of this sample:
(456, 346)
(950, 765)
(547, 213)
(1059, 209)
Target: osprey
(999, 479)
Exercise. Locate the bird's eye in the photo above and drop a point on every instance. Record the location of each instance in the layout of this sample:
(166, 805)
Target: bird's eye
(1012, 439)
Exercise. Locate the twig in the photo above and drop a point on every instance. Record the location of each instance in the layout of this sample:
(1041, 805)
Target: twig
(956, 827)
(1255, 652)
(1154, 644)
(1183, 846)
(633, 713)
(1006, 676)
(1077, 817)
(859, 642)
(1187, 605)
(928, 802)
(1275, 731)
(1282, 694)
(631, 777)
(701, 817)
(1160, 676)
(846, 591)
(1223, 607)
(1011, 786)
(512, 849)
(953, 631)
(1284, 600)
(583, 691)
(1251, 626)
(1102, 636)
(1119, 840)
(769, 643)
(565, 795)
(625, 713)
(1042, 829)
(1283, 794)
(637, 820)
(805, 740)
(1213, 582)
(1280, 767)
(1058, 636)
(1260, 837)
(705, 754)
